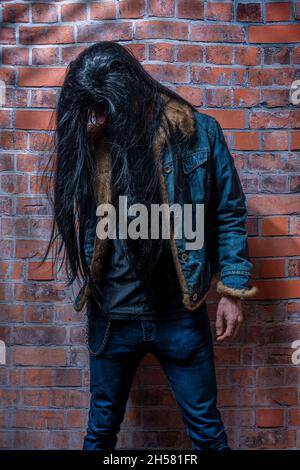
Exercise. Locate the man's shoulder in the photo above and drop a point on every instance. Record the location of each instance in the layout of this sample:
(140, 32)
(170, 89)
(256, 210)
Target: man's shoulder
(206, 122)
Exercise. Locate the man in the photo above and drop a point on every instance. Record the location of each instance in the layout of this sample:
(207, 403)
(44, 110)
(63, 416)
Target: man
(121, 133)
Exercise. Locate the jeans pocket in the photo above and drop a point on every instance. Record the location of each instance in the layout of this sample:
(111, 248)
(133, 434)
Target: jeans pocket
(97, 330)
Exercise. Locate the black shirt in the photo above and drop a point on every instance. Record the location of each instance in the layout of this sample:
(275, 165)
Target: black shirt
(124, 296)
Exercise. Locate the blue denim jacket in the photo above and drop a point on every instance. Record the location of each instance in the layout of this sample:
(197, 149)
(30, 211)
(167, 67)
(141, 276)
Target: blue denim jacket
(206, 174)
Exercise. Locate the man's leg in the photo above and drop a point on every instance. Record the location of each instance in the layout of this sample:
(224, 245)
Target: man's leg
(111, 376)
(185, 351)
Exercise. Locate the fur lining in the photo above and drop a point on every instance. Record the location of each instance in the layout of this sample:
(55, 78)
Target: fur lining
(180, 116)
(239, 293)
(102, 185)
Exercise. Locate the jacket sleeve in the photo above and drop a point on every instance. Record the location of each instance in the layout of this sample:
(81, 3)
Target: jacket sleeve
(228, 204)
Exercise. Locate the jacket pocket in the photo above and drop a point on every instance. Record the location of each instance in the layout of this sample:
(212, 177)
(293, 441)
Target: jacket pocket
(191, 161)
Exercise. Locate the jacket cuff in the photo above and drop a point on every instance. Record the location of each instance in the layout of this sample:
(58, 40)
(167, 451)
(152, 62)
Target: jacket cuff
(244, 293)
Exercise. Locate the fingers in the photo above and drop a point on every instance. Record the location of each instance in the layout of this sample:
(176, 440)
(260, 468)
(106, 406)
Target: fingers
(228, 319)
(230, 327)
(219, 322)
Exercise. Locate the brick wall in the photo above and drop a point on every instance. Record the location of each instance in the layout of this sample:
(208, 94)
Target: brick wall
(233, 60)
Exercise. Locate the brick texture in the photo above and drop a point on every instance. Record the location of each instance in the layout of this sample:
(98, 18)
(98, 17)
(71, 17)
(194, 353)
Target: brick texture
(235, 61)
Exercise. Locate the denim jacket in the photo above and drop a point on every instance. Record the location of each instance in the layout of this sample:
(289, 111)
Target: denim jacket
(204, 173)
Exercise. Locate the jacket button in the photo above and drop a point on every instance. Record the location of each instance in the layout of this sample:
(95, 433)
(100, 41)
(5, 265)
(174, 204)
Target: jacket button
(167, 169)
(184, 256)
(195, 296)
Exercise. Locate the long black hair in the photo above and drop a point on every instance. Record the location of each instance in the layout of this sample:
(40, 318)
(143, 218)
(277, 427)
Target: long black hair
(105, 76)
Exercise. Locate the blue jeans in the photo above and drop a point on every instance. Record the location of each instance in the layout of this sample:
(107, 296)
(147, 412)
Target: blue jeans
(184, 349)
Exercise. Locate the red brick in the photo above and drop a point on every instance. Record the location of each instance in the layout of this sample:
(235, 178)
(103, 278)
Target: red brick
(219, 11)
(276, 396)
(45, 56)
(267, 77)
(27, 356)
(193, 9)
(296, 55)
(295, 226)
(14, 184)
(13, 140)
(249, 12)
(277, 289)
(217, 33)
(138, 50)
(294, 417)
(228, 119)
(246, 97)
(275, 226)
(131, 9)
(168, 72)
(16, 13)
(6, 162)
(219, 54)
(245, 55)
(267, 439)
(39, 419)
(276, 55)
(246, 140)
(43, 98)
(274, 246)
(271, 268)
(39, 335)
(67, 377)
(41, 76)
(7, 35)
(218, 98)
(75, 11)
(6, 208)
(52, 34)
(295, 144)
(274, 33)
(161, 29)
(15, 55)
(269, 205)
(276, 140)
(31, 119)
(278, 11)
(276, 98)
(190, 53)
(217, 75)
(162, 51)
(294, 268)
(39, 292)
(40, 273)
(104, 10)
(44, 13)
(269, 119)
(36, 398)
(5, 119)
(270, 418)
(157, 8)
(191, 94)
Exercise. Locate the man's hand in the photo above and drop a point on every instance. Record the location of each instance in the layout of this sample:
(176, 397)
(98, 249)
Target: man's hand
(229, 318)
